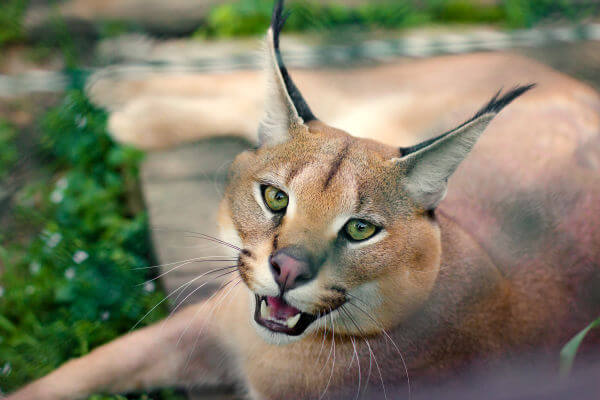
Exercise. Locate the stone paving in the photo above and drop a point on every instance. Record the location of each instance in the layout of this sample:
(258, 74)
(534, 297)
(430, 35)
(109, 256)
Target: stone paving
(182, 188)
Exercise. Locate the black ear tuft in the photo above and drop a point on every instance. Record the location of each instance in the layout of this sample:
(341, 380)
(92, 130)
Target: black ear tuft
(277, 21)
(496, 103)
(494, 106)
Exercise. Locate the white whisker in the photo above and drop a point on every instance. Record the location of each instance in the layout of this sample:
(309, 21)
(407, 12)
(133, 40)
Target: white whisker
(196, 289)
(215, 258)
(378, 369)
(181, 287)
(333, 363)
(323, 341)
(199, 235)
(204, 327)
(179, 266)
(388, 337)
(359, 371)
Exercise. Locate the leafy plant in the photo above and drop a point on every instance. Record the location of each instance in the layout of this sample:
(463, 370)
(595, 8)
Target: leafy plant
(250, 17)
(8, 148)
(569, 351)
(11, 19)
(526, 13)
(77, 283)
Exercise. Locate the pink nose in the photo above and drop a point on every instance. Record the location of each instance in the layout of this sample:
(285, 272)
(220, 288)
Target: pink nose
(290, 267)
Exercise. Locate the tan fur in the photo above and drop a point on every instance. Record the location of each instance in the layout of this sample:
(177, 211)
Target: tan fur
(475, 282)
(397, 104)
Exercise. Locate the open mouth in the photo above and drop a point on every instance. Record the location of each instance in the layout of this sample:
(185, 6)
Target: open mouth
(275, 314)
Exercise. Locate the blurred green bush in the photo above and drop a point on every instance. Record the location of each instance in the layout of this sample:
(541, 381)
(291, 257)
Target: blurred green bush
(74, 285)
(250, 17)
(8, 148)
(11, 17)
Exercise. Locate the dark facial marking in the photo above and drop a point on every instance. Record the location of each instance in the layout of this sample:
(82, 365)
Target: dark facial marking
(247, 253)
(335, 166)
(430, 214)
(338, 289)
(243, 270)
(295, 171)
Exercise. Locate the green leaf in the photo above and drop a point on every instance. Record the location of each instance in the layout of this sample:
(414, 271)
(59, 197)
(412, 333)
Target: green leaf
(6, 325)
(568, 352)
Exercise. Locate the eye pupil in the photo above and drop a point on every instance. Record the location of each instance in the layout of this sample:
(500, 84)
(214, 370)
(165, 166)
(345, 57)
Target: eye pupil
(277, 200)
(357, 229)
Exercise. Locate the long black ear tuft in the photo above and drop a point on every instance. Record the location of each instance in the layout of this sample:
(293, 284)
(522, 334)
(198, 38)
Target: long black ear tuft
(494, 106)
(277, 21)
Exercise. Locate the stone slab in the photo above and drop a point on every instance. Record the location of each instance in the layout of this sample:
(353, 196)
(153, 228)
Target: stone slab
(182, 188)
(205, 160)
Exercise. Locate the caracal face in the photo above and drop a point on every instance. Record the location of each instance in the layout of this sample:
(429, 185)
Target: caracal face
(330, 179)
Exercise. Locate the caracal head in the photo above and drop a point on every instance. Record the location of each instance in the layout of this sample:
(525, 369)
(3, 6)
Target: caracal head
(338, 232)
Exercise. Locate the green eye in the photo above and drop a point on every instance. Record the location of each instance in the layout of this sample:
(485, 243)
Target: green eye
(276, 199)
(359, 229)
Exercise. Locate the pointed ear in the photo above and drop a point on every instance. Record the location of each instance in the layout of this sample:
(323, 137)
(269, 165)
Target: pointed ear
(427, 166)
(285, 108)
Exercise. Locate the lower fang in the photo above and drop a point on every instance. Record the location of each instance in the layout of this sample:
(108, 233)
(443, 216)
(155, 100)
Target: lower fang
(264, 309)
(292, 321)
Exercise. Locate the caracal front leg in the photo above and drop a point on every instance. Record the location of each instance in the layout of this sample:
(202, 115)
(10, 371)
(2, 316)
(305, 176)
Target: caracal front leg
(181, 350)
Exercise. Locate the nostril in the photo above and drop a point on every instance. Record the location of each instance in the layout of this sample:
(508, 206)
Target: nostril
(275, 266)
(289, 269)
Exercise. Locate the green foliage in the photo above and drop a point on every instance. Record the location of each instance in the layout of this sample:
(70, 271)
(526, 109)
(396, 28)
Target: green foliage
(11, 19)
(78, 283)
(568, 352)
(526, 13)
(8, 148)
(250, 17)
(464, 11)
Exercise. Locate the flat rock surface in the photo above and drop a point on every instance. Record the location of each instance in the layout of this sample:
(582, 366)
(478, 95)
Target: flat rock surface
(182, 188)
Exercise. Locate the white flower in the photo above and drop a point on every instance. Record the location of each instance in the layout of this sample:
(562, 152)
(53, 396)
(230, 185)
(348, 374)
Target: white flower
(149, 287)
(54, 240)
(81, 121)
(34, 267)
(80, 256)
(6, 368)
(70, 273)
(56, 196)
(105, 315)
(29, 289)
(62, 183)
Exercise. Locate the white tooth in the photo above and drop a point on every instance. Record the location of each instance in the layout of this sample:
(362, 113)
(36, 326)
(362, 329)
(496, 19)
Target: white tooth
(292, 321)
(264, 309)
